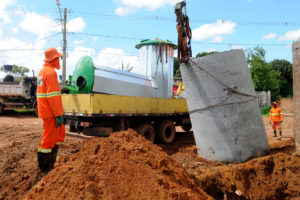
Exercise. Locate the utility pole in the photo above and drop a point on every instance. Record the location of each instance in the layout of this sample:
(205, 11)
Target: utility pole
(296, 93)
(64, 32)
(64, 49)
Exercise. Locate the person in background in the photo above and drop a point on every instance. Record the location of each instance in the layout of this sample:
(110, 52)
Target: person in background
(276, 118)
(50, 109)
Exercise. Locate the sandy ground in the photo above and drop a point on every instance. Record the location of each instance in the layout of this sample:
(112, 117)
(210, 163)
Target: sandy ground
(20, 135)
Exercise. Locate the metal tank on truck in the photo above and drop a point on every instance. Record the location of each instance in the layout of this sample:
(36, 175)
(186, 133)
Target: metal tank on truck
(102, 99)
(156, 58)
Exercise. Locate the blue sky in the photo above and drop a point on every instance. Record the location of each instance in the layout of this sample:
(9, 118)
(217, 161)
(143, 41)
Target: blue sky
(95, 27)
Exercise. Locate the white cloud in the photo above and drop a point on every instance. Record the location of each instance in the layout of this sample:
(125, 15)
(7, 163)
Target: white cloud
(3, 5)
(0, 34)
(236, 47)
(111, 57)
(123, 11)
(269, 36)
(26, 58)
(38, 24)
(76, 25)
(78, 42)
(218, 39)
(214, 30)
(74, 56)
(290, 35)
(95, 38)
(15, 30)
(129, 6)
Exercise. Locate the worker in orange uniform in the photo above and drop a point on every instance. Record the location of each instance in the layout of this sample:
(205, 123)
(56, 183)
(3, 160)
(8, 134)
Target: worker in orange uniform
(276, 118)
(50, 109)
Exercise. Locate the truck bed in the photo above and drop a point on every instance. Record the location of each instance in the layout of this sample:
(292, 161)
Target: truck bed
(11, 89)
(115, 105)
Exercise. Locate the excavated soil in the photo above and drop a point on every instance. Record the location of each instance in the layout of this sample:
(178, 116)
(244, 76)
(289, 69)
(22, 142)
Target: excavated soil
(124, 167)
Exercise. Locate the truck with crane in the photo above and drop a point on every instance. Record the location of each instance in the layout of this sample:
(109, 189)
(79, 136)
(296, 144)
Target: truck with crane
(100, 100)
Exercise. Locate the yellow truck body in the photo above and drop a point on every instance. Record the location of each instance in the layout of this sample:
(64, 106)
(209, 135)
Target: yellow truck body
(103, 104)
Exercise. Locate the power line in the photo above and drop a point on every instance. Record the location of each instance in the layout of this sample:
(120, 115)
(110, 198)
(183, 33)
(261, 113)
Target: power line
(165, 18)
(108, 36)
(33, 42)
(194, 42)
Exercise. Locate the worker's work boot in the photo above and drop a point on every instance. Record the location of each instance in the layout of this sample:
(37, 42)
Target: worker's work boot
(43, 161)
(275, 134)
(53, 156)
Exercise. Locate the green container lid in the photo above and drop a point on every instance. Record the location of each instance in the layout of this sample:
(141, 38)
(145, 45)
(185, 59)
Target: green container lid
(83, 76)
(155, 42)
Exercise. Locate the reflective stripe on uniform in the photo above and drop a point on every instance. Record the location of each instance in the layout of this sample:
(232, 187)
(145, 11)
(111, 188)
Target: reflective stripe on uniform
(276, 114)
(44, 150)
(48, 95)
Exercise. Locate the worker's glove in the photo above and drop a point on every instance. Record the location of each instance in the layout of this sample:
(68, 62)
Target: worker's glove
(59, 121)
(270, 122)
(281, 121)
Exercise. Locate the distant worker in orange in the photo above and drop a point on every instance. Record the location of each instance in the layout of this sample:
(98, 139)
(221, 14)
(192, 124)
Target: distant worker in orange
(50, 109)
(276, 118)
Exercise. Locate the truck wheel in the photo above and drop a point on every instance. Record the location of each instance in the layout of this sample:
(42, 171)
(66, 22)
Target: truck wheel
(36, 111)
(1, 108)
(78, 127)
(146, 130)
(186, 124)
(166, 131)
(72, 126)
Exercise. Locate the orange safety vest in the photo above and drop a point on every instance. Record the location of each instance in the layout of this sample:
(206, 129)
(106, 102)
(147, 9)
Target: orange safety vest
(276, 114)
(48, 95)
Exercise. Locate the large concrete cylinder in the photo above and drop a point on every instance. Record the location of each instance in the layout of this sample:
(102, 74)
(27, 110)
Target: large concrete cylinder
(223, 107)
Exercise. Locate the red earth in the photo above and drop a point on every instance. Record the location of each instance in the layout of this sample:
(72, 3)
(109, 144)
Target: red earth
(177, 174)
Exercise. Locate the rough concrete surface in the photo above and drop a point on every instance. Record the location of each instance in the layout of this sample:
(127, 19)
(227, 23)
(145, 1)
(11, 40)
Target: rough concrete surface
(223, 107)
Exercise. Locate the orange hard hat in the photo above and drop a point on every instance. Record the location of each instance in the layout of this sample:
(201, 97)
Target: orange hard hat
(51, 53)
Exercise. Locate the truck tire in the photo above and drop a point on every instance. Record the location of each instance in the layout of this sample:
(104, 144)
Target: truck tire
(166, 131)
(1, 108)
(78, 127)
(72, 127)
(146, 130)
(36, 111)
(186, 124)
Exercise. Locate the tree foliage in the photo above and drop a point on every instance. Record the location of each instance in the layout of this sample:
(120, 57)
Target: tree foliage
(205, 53)
(264, 77)
(286, 76)
(176, 68)
(20, 70)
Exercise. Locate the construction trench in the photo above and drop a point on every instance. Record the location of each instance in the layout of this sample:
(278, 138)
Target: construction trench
(127, 166)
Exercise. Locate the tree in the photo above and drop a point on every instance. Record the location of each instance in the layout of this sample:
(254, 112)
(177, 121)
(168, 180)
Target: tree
(286, 76)
(20, 70)
(263, 76)
(176, 68)
(205, 53)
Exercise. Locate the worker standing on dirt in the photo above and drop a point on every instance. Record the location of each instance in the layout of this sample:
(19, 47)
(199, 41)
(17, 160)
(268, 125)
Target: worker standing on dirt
(276, 118)
(50, 109)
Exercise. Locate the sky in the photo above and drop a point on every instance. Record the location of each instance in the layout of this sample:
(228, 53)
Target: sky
(108, 30)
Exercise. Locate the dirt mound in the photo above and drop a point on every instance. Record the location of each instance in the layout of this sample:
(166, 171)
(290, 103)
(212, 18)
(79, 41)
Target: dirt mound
(275, 176)
(123, 166)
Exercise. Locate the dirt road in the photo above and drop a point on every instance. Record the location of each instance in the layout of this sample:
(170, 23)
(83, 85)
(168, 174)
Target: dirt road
(271, 177)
